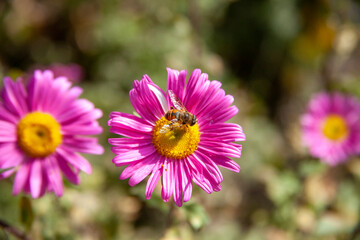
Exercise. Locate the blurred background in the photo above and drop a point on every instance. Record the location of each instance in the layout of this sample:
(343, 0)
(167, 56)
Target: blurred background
(271, 55)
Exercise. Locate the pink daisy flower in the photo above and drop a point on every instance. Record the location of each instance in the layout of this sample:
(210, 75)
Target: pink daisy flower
(331, 127)
(42, 127)
(177, 146)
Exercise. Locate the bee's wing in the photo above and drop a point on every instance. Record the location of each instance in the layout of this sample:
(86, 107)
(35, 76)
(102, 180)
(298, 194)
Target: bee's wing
(165, 128)
(176, 101)
(168, 127)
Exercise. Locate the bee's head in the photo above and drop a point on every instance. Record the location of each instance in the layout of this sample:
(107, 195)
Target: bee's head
(194, 120)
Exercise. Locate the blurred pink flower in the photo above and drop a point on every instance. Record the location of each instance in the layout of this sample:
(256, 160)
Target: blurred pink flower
(42, 126)
(180, 153)
(73, 72)
(331, 127)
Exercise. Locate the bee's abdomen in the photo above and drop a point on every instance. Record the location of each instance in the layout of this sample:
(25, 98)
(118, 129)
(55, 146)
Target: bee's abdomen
(186, 117)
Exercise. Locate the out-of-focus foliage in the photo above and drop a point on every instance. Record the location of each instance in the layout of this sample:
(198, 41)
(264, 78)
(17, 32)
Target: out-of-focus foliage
(271, 55)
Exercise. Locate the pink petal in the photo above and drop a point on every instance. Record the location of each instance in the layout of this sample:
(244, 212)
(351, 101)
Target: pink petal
(154, 178)
(215, 148)
(146, 168)
(92, 128)
(54, 177)
(7, 173)
(198, 177)
(74, 159)
(70, 174)
(132, 156)
(186, 181)
(36, 178)
(21, 177)
(10, 155)
(175, 83)
(137, 165)
(208, 164)
(83, 144)
(7, 116)
(13, 96)
(129, 125)
(167, 183)
(7, 132)
(178, 188)
(226, 162)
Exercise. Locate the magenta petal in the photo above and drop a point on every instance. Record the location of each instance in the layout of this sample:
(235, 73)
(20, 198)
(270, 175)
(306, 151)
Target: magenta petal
(133, 155)
(178, 189)
(209, 165)
(167, 180)
(89, 129)
(7, 173)
(145, 102)
(53, 175)
(217, 147)
(208, 95)
(7, 132)
(138, 166)
(7, 116)
(226, 162)
(146, 168)
(10, 155)
(175, 83)
(128, 125)
(83, 144)
(21, 177)
(153, 179)
(36, 178)
(187, 182)
(74, 159)
(198, 177)
(70, 174)
(191, 85)
(13, 97)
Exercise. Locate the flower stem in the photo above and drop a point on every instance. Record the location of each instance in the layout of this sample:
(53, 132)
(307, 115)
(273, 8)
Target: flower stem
(14, 231)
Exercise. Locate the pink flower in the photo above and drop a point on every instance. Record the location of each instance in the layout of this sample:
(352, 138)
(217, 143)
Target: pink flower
(180, 153)
(42, 127)
(73, 72)
(331, 127)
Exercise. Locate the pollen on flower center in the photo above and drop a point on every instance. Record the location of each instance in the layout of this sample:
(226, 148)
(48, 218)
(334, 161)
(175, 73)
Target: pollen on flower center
(335, 128)
(38, 134)
(178, 141)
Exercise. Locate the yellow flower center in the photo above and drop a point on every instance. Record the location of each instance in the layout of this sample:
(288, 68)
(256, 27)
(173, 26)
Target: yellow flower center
(177, 140)
(335, 128)
(38, 134)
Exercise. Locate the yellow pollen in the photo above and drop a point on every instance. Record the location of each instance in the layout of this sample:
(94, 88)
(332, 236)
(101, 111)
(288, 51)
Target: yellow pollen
(38, 134)
(178, 141)
(335, 128)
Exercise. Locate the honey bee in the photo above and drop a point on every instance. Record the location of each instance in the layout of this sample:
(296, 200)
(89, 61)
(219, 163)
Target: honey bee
(178, 115)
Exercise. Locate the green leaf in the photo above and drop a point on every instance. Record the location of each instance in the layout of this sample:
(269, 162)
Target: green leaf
(26, 212)
(195, 215)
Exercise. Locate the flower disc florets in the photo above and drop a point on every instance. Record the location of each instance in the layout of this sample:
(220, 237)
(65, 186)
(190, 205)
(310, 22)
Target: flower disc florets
(38, 134)
(179, 141)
